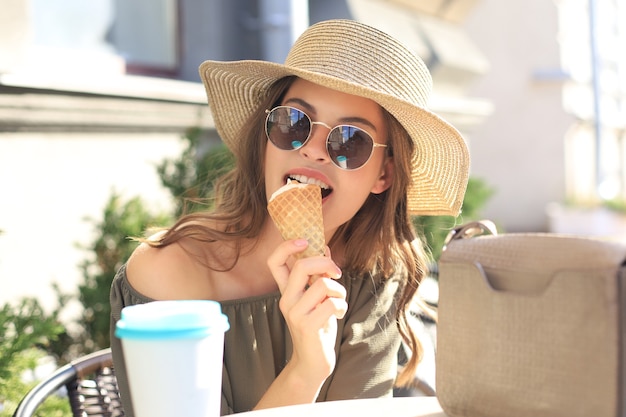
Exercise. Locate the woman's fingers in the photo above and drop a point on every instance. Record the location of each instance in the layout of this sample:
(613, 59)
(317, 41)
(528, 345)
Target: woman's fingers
(298, 280)
(307, 302)
(323, 299)
(327, 289)
(313, 326)
(299, 276)
(278, 260)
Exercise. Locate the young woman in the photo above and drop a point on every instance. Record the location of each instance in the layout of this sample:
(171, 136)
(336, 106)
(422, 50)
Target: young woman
(353, 101)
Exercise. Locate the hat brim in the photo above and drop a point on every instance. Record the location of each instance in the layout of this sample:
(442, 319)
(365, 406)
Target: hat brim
(440, 162)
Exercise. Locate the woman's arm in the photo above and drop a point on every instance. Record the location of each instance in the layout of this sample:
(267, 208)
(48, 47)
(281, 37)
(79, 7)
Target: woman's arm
(122, 295)
(311, 313)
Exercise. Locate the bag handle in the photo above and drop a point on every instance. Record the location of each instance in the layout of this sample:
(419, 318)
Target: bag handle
(470, 230)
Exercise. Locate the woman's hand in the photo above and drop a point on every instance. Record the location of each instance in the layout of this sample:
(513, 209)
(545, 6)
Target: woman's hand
(311, 303)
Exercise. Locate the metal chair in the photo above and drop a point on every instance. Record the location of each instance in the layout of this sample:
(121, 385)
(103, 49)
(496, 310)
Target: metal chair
(91, 388)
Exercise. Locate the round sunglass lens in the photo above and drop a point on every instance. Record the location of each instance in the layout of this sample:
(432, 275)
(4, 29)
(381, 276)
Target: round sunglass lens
(349, 147)
(287, 128)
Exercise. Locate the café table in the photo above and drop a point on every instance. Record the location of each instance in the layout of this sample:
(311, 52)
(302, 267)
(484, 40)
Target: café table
(386, 407)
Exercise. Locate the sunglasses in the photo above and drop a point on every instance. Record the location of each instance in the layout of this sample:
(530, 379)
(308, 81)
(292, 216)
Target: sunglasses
(348, 146)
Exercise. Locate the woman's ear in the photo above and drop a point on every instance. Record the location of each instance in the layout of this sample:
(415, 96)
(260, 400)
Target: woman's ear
(384, 180)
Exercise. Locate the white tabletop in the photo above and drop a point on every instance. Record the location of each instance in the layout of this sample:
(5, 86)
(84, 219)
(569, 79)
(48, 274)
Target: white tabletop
(387, 407)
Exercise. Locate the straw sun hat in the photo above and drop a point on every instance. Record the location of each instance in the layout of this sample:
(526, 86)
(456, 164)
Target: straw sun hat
(357, 59)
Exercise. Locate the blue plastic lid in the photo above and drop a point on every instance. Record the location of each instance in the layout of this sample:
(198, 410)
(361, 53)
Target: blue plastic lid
(176, 319)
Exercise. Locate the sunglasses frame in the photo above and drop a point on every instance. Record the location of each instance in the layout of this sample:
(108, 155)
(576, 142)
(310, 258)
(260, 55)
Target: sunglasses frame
(330, 131)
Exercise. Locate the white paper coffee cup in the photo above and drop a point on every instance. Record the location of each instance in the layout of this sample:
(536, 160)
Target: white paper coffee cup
(173, 351)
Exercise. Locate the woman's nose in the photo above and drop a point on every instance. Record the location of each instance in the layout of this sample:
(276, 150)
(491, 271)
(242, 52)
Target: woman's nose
(315, 147)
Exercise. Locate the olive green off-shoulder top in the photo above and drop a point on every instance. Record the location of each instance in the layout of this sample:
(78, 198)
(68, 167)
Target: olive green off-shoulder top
(258, 344)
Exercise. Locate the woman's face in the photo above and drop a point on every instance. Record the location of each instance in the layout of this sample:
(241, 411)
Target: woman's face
(344, 191)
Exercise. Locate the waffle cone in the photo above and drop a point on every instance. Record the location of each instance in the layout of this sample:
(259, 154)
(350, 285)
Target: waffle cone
(297, 213)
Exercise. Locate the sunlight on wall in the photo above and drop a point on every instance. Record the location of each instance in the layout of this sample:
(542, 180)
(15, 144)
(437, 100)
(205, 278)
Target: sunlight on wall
(596, 145)
(49, 183)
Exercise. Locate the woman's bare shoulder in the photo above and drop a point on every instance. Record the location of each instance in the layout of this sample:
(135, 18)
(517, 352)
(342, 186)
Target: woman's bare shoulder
(170, 272)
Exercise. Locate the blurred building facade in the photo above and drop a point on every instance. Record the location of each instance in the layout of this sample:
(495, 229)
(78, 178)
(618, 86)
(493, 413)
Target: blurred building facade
(554, 148)
(537, 87)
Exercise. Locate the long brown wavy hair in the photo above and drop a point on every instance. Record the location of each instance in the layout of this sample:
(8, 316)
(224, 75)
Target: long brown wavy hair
(241, 209)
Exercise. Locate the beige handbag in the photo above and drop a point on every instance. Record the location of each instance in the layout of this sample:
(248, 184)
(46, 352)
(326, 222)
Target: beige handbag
(530, 325)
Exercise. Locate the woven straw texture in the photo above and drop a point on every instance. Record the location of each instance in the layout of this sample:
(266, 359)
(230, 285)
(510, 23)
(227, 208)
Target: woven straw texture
(529, 325)
(357, 59)
(297, 213)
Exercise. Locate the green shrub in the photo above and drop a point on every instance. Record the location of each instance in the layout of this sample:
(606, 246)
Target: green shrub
(190, 178)
(436, 228)
(26, 334)
(107, 252)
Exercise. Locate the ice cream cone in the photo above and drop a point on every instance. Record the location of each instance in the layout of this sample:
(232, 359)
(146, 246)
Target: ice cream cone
(296, 209)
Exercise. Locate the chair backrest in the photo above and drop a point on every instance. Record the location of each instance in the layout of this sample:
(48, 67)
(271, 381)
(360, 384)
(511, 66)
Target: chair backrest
(91, 387)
